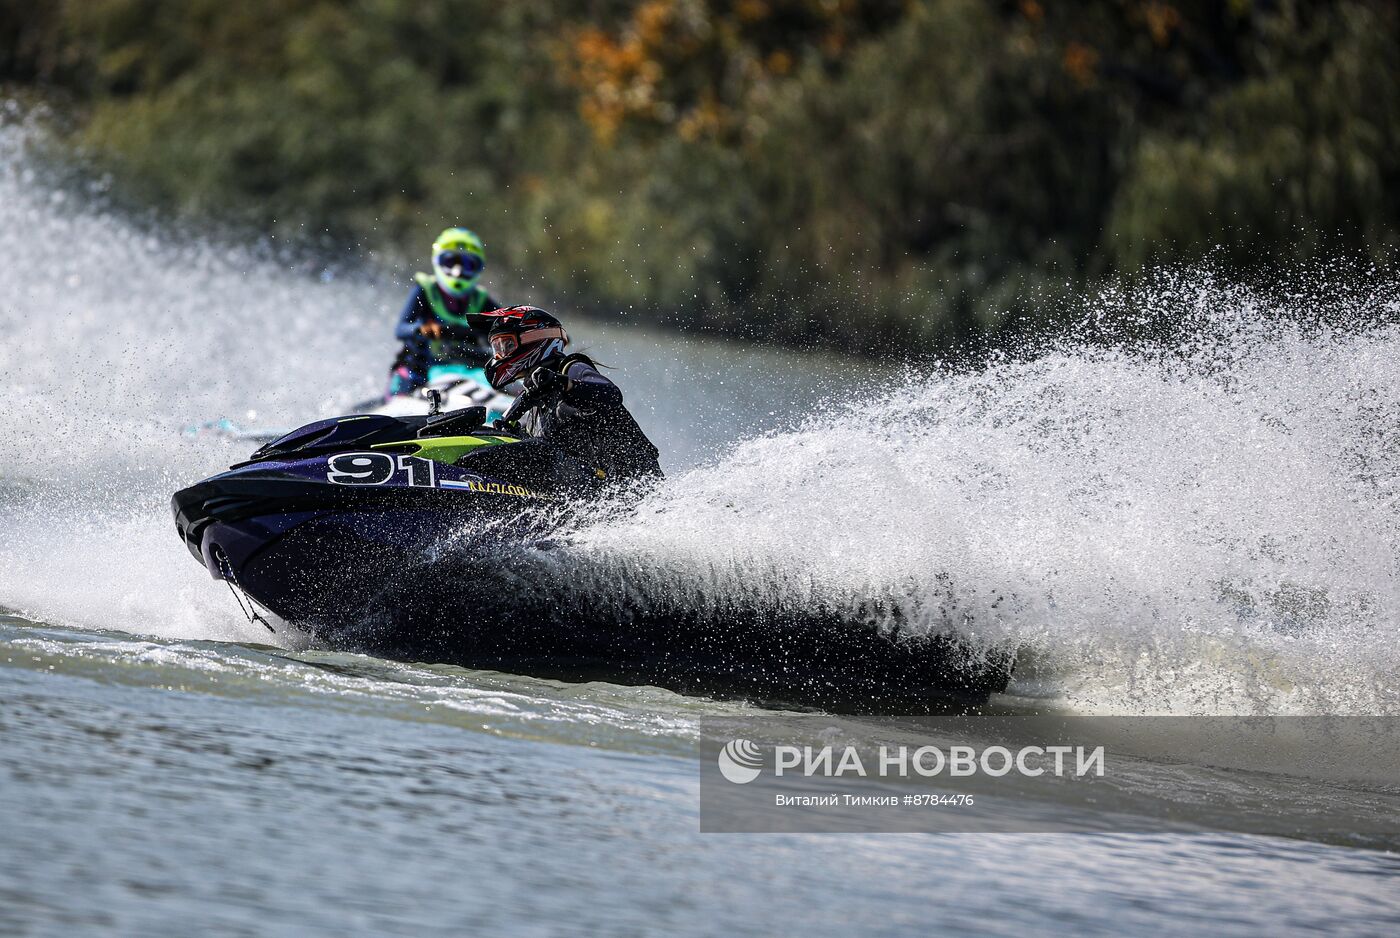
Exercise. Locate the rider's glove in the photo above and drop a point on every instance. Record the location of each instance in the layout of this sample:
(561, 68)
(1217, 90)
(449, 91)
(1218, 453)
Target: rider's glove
(543, 381)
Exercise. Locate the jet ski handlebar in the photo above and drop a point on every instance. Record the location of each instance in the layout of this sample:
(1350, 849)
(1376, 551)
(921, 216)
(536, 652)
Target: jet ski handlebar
(526, 402)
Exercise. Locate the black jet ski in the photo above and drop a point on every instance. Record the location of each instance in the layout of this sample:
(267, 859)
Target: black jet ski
(437, 538)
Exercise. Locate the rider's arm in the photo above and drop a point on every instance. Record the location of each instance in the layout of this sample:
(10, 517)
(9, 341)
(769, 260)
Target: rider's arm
(413, 316)
(588, 389)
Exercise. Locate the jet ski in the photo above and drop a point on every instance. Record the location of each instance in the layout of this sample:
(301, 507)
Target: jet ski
(449, 387)
(438, 538)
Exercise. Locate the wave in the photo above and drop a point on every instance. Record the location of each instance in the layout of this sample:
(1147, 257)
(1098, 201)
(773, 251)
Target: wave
(1190, 507)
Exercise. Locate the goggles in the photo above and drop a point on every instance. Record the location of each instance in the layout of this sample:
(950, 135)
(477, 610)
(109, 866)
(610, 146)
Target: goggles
(506, 344)
(459, 263)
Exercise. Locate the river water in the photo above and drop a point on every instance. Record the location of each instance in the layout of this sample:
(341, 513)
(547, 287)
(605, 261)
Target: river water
(1207, 527)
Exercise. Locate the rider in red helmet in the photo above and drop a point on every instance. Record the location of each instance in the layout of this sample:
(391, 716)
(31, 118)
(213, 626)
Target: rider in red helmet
(566, 399)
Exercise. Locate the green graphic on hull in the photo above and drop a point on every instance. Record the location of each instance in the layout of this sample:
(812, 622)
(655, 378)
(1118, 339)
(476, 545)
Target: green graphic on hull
(447, 449)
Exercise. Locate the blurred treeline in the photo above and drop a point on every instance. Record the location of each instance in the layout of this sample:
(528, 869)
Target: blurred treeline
(863, 173)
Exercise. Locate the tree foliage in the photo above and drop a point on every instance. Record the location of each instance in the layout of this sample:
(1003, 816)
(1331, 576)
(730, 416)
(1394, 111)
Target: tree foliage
(863, 173)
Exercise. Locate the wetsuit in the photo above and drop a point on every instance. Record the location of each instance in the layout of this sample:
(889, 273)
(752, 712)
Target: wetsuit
(459, 343)
(583, 415)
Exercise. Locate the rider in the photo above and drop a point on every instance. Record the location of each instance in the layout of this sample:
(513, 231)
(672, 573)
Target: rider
(441, 322)
(566, 400)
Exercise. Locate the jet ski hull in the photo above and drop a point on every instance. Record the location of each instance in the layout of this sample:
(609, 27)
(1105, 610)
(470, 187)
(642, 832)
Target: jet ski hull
(451, 564)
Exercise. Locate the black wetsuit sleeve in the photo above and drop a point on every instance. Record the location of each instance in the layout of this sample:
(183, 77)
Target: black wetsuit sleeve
(415, 313)
(588, 389)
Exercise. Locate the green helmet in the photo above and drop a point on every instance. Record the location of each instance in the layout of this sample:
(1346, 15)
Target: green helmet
(458, 259)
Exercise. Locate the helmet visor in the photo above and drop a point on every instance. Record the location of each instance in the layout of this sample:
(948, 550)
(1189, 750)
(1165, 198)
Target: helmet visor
(459, 263)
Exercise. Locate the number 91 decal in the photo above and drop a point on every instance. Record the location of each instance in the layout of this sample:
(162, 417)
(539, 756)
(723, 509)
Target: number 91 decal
(379, 469)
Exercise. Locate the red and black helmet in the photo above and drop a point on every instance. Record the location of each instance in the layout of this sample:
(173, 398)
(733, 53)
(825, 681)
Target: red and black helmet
(521, 338)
